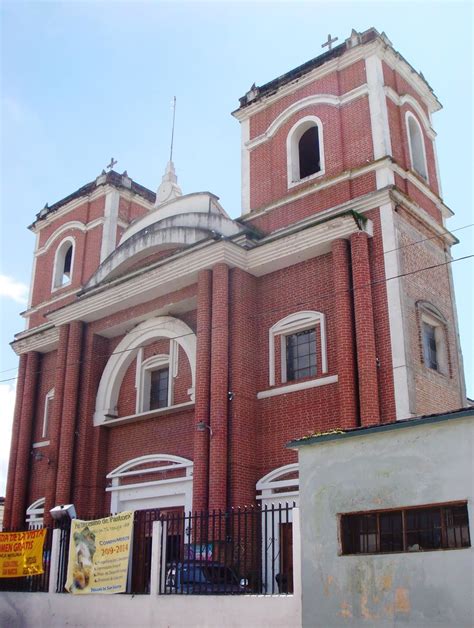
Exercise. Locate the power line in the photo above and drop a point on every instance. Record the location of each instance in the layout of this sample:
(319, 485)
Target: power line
(435, 237)
(320, 296)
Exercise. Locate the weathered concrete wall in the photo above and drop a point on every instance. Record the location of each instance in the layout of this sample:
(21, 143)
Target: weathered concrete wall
(22, 610)
(404, 467)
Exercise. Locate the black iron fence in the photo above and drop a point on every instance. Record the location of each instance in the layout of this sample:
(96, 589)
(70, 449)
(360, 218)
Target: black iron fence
(242, 551)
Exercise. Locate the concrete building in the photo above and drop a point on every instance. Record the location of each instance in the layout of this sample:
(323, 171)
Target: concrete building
(171, 352)
(386, 524)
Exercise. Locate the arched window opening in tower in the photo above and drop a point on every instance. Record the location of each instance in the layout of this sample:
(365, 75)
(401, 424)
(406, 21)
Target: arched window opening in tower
(308, 152)
(67, 265)
(417, 148)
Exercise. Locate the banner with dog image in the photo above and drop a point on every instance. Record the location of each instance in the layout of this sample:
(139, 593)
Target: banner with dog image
(21, 553)
(99, 553)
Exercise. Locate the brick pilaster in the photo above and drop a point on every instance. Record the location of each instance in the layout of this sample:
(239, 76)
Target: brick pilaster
(69, 414)
(219, 388)
(345, 335)
(365, 332)
(22, 463)
(14, 442)
(85, 479)
(56, 421)
(202, 392)
(244, 364)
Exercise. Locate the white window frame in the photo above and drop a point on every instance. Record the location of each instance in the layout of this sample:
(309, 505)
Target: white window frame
(59, 258)
(292, 150)
(166, 492)
(299, 321)
(143, 375)
(409, 117)
(49, 398)
(35, 514)
(439, 324)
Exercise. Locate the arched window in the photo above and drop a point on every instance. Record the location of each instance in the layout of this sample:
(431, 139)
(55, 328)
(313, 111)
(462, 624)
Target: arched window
(298, 334)
(416, 145)
(63, 263)
(305, 150)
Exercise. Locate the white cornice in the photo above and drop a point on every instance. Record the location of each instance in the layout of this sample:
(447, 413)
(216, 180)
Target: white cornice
(398, 63)
(39, 339)
(406, 174)
(380, 164)
(101, 190)
(393, 59)
(423, 216)
(178, 273)
(334, 65)
(43, 304)
(317, 186)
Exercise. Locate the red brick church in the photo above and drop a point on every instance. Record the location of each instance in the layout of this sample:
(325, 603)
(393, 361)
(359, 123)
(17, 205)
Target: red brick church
(171, 351)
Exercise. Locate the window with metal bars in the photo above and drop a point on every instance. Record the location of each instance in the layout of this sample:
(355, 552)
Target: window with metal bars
(430, 352)
(301, 354)
(444, 526)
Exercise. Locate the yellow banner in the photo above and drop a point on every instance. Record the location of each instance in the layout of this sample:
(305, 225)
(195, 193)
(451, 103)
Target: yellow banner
(99, 553)
(21, 553)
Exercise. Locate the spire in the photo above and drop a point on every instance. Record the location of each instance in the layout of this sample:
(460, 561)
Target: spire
(169, 188)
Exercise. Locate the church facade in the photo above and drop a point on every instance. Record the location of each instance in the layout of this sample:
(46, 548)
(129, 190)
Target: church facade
(171, 351)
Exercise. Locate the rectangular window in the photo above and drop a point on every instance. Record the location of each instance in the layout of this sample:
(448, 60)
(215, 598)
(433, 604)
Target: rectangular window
(159, 388)
(430, 353)
(301, 355)
(406, 530)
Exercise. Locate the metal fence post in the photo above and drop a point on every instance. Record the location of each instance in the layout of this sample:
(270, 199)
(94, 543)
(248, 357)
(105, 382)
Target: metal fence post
(54, 560)
(155, 558)
(296, 530)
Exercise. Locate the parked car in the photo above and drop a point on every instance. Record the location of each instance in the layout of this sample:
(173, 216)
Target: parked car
(204, 578)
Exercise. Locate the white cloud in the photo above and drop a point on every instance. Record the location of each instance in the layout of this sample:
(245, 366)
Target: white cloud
(7, 404)
(12, 289)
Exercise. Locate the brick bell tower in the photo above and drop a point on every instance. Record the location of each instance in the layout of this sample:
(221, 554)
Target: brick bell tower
(351, 130)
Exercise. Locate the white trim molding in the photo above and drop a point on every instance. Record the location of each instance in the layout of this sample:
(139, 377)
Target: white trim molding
(414, 104)
(399, 350)
(127, 350)
(299, 321)
(308, 101)
(382, 145)
(290, 388)
(245, 166)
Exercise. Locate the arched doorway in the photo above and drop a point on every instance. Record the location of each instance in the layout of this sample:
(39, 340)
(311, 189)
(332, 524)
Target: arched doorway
(277, 489)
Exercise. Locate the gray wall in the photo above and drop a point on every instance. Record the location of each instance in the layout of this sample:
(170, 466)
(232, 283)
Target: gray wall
(404, 467)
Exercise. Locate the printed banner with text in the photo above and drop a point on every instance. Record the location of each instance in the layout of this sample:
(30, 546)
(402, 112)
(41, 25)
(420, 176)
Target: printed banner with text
(99, 552)
(21, 553)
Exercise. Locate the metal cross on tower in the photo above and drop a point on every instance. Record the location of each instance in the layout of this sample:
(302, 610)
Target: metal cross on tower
(112, 163)
(329, 42)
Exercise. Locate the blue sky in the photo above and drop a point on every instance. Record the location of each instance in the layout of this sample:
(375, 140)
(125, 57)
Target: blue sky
(84, 81)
